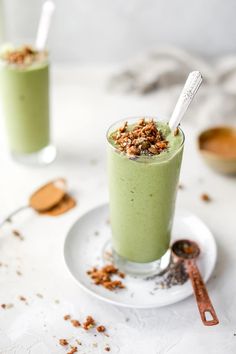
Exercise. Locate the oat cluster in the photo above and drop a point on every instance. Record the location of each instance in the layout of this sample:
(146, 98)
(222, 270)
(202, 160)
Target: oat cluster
(73, 350)
(143, 139)
(205, 197)
(89, 323)
(104, 276)
(101, 329)
(63, 342)
(23, 56)
(75, 323)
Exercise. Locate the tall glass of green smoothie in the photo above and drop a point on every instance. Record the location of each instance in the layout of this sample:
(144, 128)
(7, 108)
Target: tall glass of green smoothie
(144, 160)
(24, 89)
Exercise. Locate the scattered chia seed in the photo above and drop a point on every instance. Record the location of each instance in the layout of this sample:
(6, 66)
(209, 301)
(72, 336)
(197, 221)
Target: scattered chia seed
(133, 158)
(175, 275)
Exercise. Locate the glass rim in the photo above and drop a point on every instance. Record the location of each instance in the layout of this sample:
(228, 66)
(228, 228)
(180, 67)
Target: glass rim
(146, 157)
(32, 66)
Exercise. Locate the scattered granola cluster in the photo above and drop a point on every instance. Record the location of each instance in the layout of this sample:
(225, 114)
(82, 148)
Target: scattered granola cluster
(75, 323)
(63, 342)
(25, 55)
(143, 139)
(73, 350)
(104, 275)
(67, 317)
(101, 329)
(205, 197)
(87, 325)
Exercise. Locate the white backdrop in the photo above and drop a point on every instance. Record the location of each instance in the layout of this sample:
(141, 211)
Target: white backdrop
(114, 30)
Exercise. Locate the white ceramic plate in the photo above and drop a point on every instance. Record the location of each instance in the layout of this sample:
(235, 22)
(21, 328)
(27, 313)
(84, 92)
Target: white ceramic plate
(84, 246)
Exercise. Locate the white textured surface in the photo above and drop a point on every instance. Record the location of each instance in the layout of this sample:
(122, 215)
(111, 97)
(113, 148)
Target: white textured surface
(82, 110)
(110, 31)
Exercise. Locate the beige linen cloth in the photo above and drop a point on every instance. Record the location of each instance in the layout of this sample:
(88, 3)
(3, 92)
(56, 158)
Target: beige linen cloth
(164, 71)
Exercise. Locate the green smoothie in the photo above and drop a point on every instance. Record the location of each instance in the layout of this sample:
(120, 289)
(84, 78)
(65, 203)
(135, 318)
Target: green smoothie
(142, 189)
(24, 86)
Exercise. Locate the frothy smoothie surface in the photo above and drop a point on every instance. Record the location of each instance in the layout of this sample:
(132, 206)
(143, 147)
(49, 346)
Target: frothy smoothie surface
(144, 159)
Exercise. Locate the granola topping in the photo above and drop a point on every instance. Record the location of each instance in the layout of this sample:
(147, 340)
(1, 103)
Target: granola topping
(104, 275)
(23, 56)
(142, 138)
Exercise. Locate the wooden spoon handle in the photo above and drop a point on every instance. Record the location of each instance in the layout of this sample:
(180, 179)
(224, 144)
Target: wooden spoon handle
(206, 309)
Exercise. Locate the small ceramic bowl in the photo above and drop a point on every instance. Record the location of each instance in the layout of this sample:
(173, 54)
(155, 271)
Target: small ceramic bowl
(218, 148)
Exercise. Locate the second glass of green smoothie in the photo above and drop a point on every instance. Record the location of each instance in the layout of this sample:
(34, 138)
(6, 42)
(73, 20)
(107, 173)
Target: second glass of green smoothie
(24, 88)
(142, 191)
